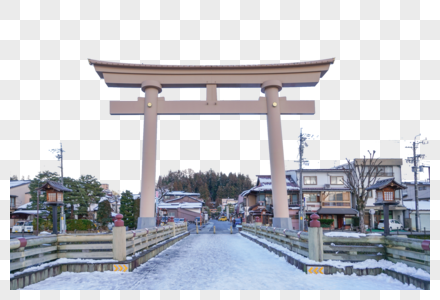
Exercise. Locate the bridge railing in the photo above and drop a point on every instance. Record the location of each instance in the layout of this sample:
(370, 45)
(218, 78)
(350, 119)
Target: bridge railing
(34, 251)
(294, 240)
(413, 252)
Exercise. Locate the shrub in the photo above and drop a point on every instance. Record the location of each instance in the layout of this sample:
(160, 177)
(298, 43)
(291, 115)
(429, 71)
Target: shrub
(327, 222)
(80, 224)
(355, 221)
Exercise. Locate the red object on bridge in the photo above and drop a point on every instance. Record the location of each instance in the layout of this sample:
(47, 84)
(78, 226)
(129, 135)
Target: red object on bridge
(426, 245)
(257, 219)
(170, 219)
(23, 242)
(119, 222)
(315, 222)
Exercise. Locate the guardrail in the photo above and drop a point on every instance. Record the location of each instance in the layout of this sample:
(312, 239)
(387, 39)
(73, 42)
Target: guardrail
(412, 252)
(34, 251)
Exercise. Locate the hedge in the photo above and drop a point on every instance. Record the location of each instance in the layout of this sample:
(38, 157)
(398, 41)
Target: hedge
(326, 222)
(80, 224)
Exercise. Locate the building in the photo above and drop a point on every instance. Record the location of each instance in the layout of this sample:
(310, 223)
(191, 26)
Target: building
(424, 195)
(257, 201)
(19, 196)
(324, 193)
(180, 204)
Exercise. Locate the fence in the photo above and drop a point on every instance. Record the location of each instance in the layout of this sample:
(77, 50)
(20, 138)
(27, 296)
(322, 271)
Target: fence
(34, 251)
(413, 252)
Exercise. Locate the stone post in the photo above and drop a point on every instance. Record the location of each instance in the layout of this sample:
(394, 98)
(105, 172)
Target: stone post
(316, 246)
(119, 242)
(276, 154)
(147, 214)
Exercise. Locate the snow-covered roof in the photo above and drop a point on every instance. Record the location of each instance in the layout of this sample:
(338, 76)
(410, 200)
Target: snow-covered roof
(181, 193)
(15, 183)
(423, 205)
(25, 206)
(30, 212)
(179, 205)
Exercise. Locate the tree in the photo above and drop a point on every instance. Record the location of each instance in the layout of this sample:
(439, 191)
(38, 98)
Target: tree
(127, 209)
(14, 177)
(37, 182)
(91, 193)
(104, 215)
(361, 175)
(74, 198)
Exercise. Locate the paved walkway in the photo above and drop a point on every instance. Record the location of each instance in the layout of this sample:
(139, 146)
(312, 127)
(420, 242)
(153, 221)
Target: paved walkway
(215, 262)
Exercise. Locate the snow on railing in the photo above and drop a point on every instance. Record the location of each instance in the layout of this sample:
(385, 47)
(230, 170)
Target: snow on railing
(34, 251)
(351, 246)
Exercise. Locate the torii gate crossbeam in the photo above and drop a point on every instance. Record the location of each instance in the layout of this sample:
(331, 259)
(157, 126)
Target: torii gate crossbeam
(270, 78)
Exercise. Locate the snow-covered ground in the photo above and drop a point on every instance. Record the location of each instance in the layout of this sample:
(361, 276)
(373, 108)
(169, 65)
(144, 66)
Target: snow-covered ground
(350, 234)
(215, 262)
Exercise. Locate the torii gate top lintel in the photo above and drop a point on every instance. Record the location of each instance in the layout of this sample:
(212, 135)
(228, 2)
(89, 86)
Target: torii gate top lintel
(123, 75)
(300, 74)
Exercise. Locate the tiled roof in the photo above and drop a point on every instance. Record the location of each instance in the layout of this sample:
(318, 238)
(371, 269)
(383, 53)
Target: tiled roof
(56, 185)
(380, 184)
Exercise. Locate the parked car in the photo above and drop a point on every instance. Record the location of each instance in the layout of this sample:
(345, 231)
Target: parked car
(223, 219)
(23, 226)
(394, 224)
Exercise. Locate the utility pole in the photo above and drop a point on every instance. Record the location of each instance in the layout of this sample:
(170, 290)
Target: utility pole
(415, 161)
(59, 156)
(302, 143)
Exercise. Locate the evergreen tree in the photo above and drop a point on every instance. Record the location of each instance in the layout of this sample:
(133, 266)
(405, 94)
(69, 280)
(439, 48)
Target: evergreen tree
(14, 177)
(73, 198)
(91, 192)
(128, 209)
(104, 215)
(37, 182)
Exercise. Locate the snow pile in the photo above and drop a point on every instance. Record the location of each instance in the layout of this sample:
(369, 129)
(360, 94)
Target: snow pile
(351, 234)
(369, 263)
(332, 244)
(62, 261)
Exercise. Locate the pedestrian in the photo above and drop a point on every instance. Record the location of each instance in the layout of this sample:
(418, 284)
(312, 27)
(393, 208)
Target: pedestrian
(233, 222)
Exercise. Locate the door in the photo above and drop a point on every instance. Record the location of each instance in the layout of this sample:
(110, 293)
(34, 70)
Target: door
(340, 221)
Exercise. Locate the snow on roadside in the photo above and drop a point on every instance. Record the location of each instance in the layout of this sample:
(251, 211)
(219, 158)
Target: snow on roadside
(351, 234)
(62, 261)
(369, 263)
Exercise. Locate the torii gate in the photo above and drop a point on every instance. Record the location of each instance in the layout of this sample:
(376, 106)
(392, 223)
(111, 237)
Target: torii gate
(270, 78)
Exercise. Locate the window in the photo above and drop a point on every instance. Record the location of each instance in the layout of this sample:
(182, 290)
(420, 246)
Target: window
(268, 199)
(171, 214)
(51, 197)
(59, 196)
(12, 202)
(335, 196)
(385, 171)
(311, 197)
(421, 188)
(336, 180)
(310, 180)
(293, 199)
(370, 194)
(388, 196)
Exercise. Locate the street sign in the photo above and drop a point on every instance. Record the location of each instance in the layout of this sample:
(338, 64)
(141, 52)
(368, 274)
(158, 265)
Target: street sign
(315, 270)
(120, 268)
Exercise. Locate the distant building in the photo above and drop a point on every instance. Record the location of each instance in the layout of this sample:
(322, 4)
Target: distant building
(181, 204)
(424, 195)
(19, 197)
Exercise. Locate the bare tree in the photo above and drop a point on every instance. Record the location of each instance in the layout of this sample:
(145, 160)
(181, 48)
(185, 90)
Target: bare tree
(361, 175)
(163, 188)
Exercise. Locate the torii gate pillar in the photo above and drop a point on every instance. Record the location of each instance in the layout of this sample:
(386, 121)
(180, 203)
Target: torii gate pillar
(147, 218)
(276, 154)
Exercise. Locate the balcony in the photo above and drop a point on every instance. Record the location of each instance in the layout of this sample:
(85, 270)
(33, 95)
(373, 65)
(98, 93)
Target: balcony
(336, 204)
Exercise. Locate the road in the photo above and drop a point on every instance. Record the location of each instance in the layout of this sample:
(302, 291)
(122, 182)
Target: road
(221, 227)
(210, 261)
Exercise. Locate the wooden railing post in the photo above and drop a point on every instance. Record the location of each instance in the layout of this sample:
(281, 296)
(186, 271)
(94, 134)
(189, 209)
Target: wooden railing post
(119, 242)
(23, 243)
(316, 246)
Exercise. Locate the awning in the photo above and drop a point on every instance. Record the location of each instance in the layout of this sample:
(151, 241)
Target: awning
(337, 211)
